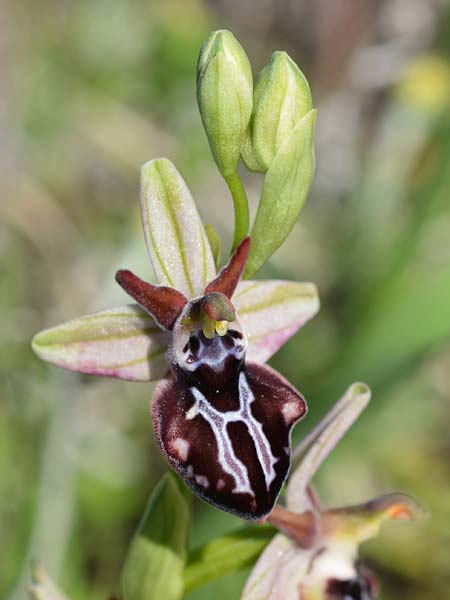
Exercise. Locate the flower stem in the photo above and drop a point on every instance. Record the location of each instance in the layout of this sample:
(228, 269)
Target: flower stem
(241, 210)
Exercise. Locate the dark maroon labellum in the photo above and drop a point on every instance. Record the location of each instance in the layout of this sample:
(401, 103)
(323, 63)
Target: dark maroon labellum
(228, 435)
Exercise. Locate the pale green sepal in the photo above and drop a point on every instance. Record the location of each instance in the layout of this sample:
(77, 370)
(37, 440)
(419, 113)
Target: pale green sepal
(42, 587)
(227, 554)
(122, 342)
(362, 522)
(314, 449)
(155, 561)
(225, 97)
(176, 240)
(272, 311)
(282, 97)
(285, 188)
(214, 242)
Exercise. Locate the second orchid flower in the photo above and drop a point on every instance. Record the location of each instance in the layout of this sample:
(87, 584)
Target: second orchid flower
(222, 417)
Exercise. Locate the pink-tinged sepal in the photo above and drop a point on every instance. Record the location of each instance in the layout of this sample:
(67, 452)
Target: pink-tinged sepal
(163, 303)
(123, 342)
(227, 280)
(229, 440)
(272, 311)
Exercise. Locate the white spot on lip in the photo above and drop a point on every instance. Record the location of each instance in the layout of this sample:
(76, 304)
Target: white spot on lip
(290, 412)
(181, 448)
(200, 480)
(220, 484)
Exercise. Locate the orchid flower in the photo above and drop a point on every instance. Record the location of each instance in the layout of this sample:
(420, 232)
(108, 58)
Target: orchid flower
(222, 418)
(315, 555)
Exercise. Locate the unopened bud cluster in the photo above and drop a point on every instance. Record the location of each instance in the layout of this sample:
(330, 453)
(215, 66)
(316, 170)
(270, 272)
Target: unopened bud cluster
(270, 127)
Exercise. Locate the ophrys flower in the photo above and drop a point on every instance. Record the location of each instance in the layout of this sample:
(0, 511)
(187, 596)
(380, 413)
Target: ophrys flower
(315, 556)
(222, 417)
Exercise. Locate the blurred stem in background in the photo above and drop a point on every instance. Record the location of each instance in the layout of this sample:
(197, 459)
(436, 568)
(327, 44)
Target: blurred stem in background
(55, 505)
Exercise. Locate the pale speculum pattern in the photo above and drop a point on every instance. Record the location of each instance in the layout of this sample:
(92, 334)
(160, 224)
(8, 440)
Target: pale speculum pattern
(218, 421)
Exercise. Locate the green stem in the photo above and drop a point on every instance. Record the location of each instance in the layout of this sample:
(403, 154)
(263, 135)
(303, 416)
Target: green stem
(241, 210)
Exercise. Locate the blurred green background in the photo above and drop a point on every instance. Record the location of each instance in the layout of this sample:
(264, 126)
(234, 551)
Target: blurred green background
(90, 90)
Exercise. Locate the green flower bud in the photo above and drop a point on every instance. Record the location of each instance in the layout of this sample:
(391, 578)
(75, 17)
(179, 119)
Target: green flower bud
(224, 94)
(282, 97)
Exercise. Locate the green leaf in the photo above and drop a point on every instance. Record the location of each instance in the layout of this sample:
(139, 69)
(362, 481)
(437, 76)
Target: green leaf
(154, 566)
(285, 188)
(225, 555)
(214, 242)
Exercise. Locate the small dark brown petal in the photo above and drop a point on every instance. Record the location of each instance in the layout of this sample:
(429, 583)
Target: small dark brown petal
(231, 443)
(163, 303)
(227, 280)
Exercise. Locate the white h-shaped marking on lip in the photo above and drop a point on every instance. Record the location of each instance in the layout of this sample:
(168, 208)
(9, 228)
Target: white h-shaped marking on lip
(263, 449)
(218, 422)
